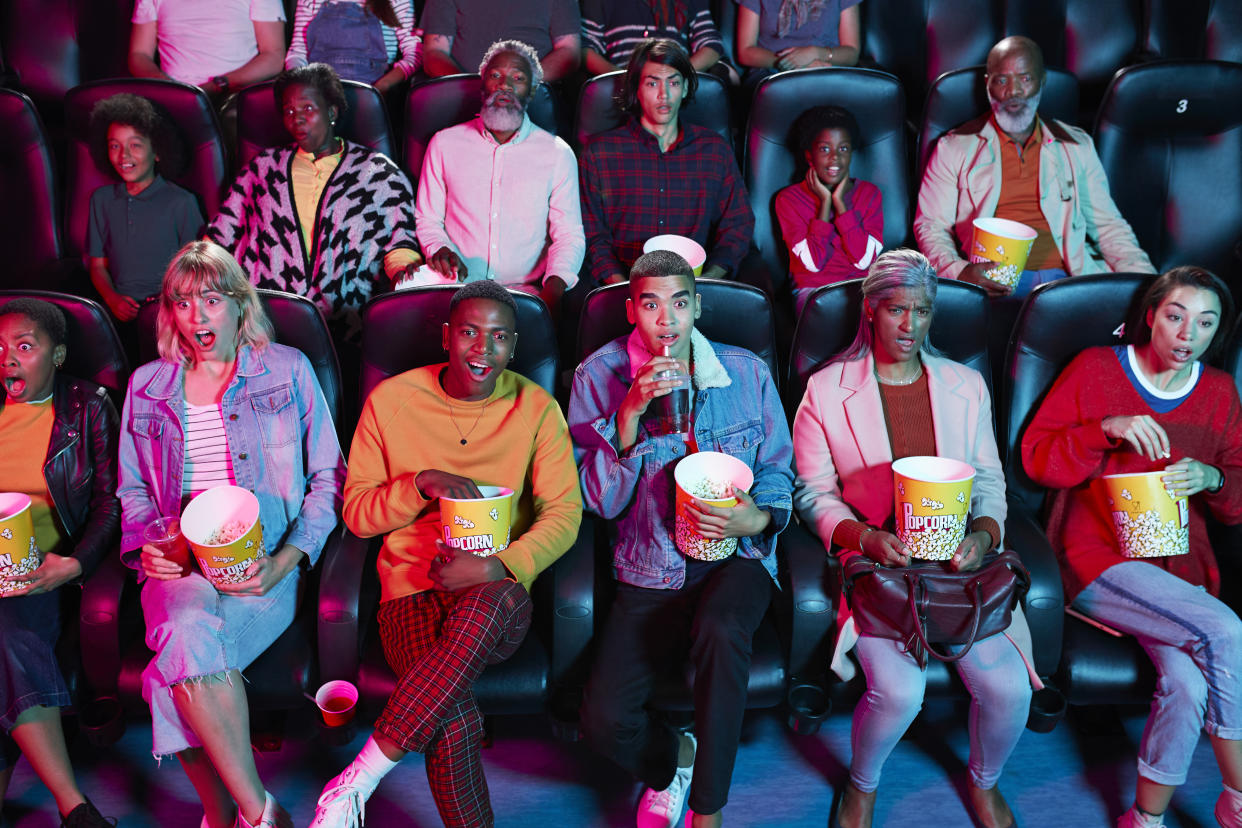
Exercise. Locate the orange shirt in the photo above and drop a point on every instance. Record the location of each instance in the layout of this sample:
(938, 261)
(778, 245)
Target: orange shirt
(1019, 196)
(26, 430)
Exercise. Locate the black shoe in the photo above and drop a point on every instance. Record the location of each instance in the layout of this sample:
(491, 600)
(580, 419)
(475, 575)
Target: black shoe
(86, 816)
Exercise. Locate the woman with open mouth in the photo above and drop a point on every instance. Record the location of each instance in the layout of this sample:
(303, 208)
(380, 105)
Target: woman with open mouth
(224, 405)
(59, 437)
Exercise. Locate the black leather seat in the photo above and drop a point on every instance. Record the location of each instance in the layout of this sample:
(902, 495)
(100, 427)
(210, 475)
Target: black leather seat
(877, 103)
(598, 110)
(206, 170)
(1058, 321)
(30, 219)
(1203, 30)
(259, 123)
(1170, 137)
(961, 95)
(442, 102)
(739, 315)
(1091, 39)
(920, 40)
(112, 626)
(401, 332)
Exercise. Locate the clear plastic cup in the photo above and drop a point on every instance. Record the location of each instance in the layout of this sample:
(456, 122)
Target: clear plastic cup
(671, 412)
(164, 533)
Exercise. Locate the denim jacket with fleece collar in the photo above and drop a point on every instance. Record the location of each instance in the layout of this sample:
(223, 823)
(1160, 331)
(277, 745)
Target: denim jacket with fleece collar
(736, 411)
(281, 440)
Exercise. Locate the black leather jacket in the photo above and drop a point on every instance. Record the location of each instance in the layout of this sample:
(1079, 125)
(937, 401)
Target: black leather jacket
(80, 469)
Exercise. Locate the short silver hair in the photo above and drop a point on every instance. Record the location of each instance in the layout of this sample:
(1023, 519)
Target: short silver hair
(522, 50)
(894, 270)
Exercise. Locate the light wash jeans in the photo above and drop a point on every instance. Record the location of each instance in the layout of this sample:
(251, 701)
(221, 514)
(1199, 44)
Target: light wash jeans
(1031, 279)
(198, 632)
(1000, 699)
(1194, 640)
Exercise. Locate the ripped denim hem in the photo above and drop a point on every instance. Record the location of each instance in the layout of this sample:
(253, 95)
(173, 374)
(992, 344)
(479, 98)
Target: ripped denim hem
(223, 676)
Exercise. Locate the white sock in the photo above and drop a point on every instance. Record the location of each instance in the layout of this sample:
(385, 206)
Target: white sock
(371, 765)
(1141, 819)
(1231, 798)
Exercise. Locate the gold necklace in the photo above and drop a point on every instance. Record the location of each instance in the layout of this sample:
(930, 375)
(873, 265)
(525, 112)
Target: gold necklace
(453, 417)
(910, 381)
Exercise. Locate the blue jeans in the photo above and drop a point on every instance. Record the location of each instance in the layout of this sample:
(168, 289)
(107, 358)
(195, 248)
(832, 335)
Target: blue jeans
(1194, 640)
(1031, 279)
(198, 632)
(1000, 698)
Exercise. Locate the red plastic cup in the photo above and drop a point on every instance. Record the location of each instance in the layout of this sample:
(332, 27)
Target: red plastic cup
(337, 701)
(164, 533)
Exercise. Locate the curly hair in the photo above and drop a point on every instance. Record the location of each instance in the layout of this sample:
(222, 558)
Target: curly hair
(666, 53)
(319, 76)
(46, 316)
(813, 121)
(522, 50)
(148, 119)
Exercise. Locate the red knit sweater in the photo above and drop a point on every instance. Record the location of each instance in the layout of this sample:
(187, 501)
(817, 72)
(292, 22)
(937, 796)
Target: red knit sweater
(1065, 448)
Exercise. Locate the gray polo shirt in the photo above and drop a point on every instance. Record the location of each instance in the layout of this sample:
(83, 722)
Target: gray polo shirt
(139, 235)
(475, 25)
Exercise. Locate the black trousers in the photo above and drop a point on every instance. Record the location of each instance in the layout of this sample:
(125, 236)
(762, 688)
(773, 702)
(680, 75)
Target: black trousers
(649, 634)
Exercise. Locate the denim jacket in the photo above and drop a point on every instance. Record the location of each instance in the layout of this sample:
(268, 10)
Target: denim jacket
(280, 435)
(736, 411)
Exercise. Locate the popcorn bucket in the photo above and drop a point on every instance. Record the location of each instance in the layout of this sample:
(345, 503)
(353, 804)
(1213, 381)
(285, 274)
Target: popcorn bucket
(708, 477)
(223, 530)
(1005, 242)
(19, 554)
(478, 525)
(1150, 522)
(931, 496)
(687, 248)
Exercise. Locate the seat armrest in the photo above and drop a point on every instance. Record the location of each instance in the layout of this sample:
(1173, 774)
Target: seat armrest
(100, 621)
(1045, 602)
(807, 605)
(573, 606)
(342, 569)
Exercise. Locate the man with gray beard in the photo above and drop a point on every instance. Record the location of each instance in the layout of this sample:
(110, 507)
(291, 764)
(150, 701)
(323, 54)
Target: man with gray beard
(1012, 164)
(498, 196)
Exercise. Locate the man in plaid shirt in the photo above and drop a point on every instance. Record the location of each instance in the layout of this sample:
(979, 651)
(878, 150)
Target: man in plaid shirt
(656, 175)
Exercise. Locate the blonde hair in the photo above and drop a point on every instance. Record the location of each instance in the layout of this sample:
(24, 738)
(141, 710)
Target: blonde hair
(201, 266)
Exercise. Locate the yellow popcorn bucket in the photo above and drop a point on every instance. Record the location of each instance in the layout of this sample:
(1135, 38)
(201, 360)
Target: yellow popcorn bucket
(687, 248)
(480, 526)
(222, 527)
(931, 497)
(707, 476)
(19, 554)
(1005, 242)
(1150, 522)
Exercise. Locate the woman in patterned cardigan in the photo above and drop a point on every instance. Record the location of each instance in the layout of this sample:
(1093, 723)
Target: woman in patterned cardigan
(324, 217)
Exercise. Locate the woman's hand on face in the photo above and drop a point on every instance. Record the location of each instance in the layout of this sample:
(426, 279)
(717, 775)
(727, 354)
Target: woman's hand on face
(1188, 477)
(743, 520)
(54, 572)
(884, 548)
(1142, 432)
(265, 573)
(156, 565)
(970, 552)
(819, 188)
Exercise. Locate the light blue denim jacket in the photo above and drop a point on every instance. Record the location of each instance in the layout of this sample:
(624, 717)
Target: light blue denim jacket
(281, 438)
(736, 411)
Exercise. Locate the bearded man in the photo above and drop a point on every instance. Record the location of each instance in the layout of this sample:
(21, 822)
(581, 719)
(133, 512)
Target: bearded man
(498, 196)
(1012, 164)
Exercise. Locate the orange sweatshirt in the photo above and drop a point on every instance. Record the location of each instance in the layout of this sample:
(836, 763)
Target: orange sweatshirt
(520, 441)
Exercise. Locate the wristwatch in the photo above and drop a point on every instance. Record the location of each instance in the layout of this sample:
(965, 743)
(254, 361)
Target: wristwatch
(221, 82)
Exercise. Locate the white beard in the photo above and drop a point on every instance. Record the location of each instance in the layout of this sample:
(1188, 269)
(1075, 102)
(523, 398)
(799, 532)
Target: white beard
(500, 117)
(1016, 124)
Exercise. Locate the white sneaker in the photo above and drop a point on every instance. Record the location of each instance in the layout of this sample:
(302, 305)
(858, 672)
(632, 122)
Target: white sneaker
(1134, 819)
(270, 818)
(341, 803)
(662, 809)
(1228, 810)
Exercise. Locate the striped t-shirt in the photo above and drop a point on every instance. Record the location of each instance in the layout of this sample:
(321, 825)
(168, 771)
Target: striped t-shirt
(207, 460)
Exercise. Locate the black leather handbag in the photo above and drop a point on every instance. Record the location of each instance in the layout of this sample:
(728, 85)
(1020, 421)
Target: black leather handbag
(927, 604)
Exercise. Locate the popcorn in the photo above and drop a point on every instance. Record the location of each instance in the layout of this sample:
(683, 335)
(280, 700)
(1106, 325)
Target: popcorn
(709, 489)
(227, 533)
(689, 541)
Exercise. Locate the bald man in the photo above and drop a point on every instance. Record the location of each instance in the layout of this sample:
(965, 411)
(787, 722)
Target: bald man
(1012, 164)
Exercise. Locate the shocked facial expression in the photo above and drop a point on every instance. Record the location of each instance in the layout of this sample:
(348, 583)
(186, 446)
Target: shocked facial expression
(27, 358)
(663, 309)
(1015, 84)
(208, 324)
(1183, 326)
(132, 156)
(308, 118)
(479, 338)
(900, 323)
(660, 90)
(830, 156)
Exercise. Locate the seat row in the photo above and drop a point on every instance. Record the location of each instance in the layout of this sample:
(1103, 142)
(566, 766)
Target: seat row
(334, 634)
(1169, 135)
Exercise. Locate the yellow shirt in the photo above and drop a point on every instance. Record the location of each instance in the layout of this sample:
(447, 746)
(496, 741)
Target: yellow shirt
(25, 430)
(309, 176)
